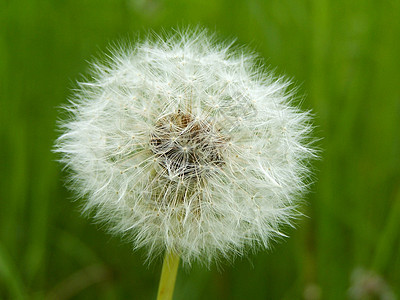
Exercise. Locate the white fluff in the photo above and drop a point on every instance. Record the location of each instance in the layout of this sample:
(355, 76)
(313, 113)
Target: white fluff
(183, 144)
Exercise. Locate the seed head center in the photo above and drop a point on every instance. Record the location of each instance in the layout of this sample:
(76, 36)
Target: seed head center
(186, 146)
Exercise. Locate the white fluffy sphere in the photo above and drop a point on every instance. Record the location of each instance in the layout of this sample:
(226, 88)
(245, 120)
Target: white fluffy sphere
(183, 144)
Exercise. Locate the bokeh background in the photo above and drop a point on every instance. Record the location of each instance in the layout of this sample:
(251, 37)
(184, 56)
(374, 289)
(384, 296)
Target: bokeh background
(343, 55)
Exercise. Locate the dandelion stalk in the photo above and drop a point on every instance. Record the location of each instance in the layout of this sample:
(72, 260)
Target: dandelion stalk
(168, 276)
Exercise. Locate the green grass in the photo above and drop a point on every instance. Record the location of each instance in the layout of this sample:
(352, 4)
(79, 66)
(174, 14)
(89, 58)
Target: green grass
(343, 54)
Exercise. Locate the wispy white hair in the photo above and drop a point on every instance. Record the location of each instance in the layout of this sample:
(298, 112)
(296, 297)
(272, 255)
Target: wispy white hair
(186, 144)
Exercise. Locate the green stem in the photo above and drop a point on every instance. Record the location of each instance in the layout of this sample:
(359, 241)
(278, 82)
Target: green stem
(168, 276)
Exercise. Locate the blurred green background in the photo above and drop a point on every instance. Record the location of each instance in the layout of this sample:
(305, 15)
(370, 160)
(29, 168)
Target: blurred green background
(343, 54)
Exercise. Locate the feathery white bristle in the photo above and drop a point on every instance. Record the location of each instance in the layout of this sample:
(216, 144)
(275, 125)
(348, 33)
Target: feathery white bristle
(182, 143)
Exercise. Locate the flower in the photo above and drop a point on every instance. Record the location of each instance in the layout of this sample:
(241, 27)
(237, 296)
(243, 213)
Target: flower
(186, 144)
(366, 284)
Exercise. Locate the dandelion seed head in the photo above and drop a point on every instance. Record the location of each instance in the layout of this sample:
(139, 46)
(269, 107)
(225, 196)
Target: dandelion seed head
(184, 143)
